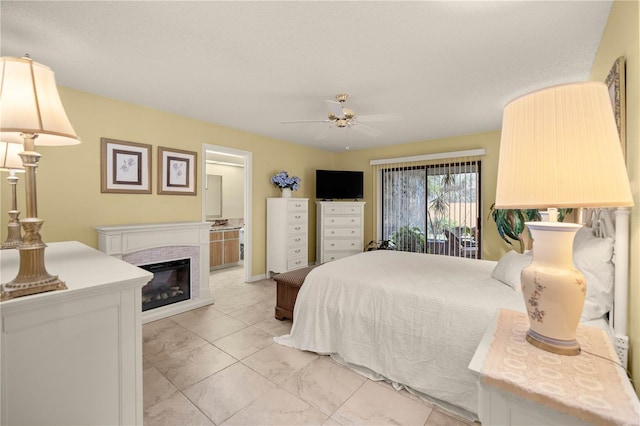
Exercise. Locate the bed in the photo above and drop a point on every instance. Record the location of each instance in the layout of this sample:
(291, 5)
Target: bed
(416, 319)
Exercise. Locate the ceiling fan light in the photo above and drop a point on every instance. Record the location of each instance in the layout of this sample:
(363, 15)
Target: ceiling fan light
(348, 113)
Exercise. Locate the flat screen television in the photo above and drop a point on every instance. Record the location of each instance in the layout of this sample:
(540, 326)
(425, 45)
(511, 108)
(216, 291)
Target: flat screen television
(339, 184)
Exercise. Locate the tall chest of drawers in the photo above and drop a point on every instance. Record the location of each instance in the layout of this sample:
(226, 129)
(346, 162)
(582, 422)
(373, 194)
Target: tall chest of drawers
(340, 229)
(287, 234)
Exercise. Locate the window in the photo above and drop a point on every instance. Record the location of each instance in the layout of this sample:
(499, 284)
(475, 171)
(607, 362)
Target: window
(431, 207)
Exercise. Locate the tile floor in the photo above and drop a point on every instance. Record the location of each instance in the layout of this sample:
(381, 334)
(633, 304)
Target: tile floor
(218, 365)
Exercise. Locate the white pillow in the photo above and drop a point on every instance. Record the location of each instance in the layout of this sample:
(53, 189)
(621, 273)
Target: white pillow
(592, 256)
(509, 268)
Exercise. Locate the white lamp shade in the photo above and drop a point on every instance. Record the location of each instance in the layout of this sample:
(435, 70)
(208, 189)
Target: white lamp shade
(9, 158)
(560, 148)
(29, 103)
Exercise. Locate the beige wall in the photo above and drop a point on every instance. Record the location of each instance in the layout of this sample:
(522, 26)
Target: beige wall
(622, 38)
(69, 197)
(493, 247)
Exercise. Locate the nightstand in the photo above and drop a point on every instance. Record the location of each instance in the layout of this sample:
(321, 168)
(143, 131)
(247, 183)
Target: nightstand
(519, 384)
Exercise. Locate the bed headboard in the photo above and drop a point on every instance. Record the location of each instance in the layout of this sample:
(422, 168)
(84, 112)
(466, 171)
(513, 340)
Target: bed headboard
(614, 223)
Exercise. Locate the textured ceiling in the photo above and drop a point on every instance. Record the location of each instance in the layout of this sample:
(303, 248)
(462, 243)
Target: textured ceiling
(448, 67)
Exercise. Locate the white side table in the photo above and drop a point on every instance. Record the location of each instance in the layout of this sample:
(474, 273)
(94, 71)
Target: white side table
(519, 384)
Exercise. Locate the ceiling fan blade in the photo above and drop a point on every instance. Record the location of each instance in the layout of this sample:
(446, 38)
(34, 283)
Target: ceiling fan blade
(306, 121)
(370, 118)
(370, 131)
(323, 133)
(335, 108)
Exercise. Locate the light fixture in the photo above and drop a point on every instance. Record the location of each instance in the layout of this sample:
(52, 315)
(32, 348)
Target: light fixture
(10, 161)
(30, 110)
(559, 149)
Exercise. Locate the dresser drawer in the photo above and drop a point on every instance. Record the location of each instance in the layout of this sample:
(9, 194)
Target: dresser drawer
(338, 209)
(296, 206)
(350, 244)
(296, 263)
(296, 217)
(341, 232)
(297, 228)
(328, 256)
(331, 210)
(342, 221)
(296, 240)
(296, 251)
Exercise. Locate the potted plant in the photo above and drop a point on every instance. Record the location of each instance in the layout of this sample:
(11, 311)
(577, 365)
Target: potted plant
(511, 224)
(409, 238)
(380, 245)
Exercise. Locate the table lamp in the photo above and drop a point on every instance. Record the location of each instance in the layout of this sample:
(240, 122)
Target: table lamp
(10, 161)
(559, 148)
(31, 113)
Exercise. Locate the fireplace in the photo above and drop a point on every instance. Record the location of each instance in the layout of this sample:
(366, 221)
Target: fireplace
(155, 245)
(171, 283)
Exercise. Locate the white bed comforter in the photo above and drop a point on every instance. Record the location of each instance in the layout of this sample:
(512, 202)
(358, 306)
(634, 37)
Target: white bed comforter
(415, 319)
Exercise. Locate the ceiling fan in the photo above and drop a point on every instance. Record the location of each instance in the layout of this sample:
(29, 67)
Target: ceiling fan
(342, 117)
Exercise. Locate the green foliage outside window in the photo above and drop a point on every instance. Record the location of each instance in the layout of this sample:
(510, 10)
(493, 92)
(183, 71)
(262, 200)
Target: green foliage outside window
(409, 238)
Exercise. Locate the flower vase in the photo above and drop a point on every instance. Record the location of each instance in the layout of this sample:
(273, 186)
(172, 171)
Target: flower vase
(286, 192)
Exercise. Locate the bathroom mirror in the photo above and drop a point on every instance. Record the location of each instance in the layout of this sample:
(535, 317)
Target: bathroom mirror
(214, 197)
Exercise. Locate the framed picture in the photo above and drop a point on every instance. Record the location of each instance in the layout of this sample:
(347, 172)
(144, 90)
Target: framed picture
(617, 92)
(125, 167)
(176, 171)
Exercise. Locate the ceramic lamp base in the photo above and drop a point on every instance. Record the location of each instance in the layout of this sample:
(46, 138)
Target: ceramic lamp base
(560, 347)
(553, 289)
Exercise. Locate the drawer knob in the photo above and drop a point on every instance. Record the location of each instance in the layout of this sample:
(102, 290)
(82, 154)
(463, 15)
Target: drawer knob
(333, 232)
(332, 244)
(297, 239)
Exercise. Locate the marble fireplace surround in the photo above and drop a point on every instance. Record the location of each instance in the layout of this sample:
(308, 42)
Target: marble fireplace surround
(158, 242)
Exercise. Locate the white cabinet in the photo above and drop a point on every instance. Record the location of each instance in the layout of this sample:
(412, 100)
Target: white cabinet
(340, 229)
(74, 356)
(287, 234)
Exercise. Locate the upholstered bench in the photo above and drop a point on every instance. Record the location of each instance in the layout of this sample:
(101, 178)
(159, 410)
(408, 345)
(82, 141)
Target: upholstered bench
(287, 286)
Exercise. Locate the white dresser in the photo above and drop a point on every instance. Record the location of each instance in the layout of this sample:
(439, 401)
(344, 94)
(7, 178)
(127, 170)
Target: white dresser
(74, 356)
(287, 234)
(340, 229)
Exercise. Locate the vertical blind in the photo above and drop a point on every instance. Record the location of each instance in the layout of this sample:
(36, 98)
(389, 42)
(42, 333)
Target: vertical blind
(430, 204)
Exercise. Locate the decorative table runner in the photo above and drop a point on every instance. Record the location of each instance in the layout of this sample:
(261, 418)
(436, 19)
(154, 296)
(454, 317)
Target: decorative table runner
(584, 386)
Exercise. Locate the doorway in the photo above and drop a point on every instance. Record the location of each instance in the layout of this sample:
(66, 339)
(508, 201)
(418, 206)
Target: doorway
(216, 159)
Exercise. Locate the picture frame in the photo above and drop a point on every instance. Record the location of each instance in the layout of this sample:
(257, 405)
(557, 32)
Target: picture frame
(177, 171)
(125, 167)
(617, 92)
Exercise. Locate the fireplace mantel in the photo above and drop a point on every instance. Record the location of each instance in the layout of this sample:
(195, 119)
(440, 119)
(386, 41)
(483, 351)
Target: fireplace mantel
(143, 244)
